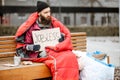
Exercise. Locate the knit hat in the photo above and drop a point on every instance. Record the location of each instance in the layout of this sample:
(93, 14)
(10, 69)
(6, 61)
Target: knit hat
(41, 5)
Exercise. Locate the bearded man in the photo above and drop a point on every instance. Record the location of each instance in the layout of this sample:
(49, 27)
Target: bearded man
(60, 59)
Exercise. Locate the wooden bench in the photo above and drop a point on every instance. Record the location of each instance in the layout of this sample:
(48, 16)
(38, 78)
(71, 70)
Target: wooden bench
(29, 72)
(8, 44)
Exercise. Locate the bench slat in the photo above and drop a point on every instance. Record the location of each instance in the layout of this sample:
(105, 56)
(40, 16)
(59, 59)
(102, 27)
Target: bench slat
(80, 37)
(7, 42)
(81, 48)
(8, 50)
(78, 41)
(79, 45)
(7, 46)
(7, 38)
(8, 54)
(78, 34)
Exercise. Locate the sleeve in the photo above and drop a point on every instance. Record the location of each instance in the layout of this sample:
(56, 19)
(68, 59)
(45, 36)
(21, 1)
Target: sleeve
(66, 44)
(28, 38)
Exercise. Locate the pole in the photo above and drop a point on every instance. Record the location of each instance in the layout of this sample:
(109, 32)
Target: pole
(48, 2)
(3, 2)
(59, 10)
(119, 22)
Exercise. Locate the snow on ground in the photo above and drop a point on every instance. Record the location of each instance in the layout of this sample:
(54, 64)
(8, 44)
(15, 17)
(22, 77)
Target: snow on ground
(108, 45)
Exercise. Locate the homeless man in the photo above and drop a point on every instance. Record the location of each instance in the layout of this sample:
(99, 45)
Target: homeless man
(60, 59)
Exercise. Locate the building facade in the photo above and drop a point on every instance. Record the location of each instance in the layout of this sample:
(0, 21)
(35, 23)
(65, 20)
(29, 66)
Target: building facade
(69, 19)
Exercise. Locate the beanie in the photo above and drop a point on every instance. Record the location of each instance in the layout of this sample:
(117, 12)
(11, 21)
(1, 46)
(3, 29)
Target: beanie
(41, 5)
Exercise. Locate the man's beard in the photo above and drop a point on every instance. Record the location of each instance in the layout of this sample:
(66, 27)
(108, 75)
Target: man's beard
(45, 21)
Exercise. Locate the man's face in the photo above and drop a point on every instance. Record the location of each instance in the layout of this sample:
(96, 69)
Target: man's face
(45, 16)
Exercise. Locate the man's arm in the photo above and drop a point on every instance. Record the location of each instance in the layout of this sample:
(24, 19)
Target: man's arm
(66, 44)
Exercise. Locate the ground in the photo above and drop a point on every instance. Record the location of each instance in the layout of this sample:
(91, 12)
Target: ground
(108, 45)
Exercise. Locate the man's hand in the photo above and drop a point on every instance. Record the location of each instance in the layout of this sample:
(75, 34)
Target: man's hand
(32, 47)
(61, 38)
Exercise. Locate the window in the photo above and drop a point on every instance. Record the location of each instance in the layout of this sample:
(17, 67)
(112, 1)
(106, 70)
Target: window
(67, 20)
(109, 19)
(21, 16)
(103, 20)
(106, 20)
(83, 20)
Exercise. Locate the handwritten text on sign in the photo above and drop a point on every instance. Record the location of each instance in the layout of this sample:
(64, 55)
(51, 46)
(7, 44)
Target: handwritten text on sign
(47, 37)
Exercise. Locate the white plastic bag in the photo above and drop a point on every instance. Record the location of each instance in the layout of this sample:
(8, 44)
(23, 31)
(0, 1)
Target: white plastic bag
(80, 56)
(93, 69)
(96, 70)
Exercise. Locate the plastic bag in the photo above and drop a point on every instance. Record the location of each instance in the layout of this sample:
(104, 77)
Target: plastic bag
(92, 68)
(96, 70)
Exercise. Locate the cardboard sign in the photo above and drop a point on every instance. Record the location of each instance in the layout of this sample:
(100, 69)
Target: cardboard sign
(47, 37)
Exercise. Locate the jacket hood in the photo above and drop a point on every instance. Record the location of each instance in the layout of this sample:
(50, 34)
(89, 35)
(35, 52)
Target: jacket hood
(28, 23)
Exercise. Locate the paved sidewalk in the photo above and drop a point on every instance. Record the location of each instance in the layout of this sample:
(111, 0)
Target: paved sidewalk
(117, 73)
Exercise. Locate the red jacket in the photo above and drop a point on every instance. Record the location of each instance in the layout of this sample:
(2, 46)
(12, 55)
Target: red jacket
(60, 60)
